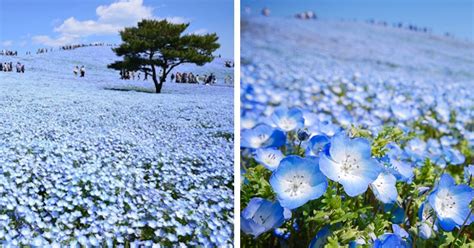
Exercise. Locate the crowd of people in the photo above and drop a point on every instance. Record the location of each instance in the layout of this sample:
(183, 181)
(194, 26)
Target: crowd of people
(310, 15)
(306, 15)
(193, 79)
(68, 47)
(410, 27)
(72, 47)
(131, 75)
(43, 50)
(8, 67)
(178, 77)
(8, 53)
(229, 63)
(79, 71)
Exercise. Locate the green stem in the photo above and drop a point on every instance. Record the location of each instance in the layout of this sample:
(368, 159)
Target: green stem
(337, 188)
(245, 167)
(299, 147)
(461, 229)
(376, 206)
(434, 220)
(407, 205)
(437, 176)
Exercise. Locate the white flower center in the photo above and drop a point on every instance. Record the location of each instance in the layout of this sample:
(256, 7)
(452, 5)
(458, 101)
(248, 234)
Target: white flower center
(348, 166)
(247, 123)
(260, 219)
(296, 185)
(287, 124)
(445, 203)
(258, 140)
(270, 158)
(378, 184)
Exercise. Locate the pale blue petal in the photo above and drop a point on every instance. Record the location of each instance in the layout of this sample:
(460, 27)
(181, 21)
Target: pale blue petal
(329, 168)
(355, 187)
(446, 180)
(446, 224)
(359, 146)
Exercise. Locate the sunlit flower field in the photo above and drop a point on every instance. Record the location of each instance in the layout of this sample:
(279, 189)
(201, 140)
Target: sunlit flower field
(97, 161)
(355, 134)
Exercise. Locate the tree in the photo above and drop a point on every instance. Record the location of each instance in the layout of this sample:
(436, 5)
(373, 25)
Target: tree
(162, 45)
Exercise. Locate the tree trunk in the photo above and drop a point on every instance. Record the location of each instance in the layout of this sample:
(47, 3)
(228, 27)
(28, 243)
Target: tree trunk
(158, 85)
(162, 80)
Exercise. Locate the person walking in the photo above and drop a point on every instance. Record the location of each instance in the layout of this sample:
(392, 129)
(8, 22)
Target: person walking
(83, 71)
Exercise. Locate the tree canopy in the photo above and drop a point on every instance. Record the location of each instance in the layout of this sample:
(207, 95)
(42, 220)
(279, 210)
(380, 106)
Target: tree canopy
(162, 45)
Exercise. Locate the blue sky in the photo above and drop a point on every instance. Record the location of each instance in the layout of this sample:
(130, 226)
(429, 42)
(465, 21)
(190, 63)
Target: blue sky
(454, 16)
(30, 24)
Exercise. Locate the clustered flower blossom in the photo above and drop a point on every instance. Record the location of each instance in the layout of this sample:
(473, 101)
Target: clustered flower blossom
(81, 165)
(368, 157)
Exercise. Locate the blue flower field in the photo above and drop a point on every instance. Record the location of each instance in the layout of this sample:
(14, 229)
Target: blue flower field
(355, 135)
(101, 162)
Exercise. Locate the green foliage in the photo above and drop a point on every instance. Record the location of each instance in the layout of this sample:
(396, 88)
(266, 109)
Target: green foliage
(385, 136)
(160, 44)
(361, 217)
(257, 185)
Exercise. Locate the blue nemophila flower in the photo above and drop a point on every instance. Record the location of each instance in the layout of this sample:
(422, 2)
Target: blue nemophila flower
(298, 180)
(404, 112)
(38, 241)
(262, 136)
(424, 230)
(399, 231)
(243, 180)
(402, 170)
(416, 149)
(384, 188)
(321, 238)
(261, 215)
(269, 157)
(310, 119)
(302, 135)
(326, 127)
(468, 173)
(357, 243)
(317, 144)
(397, 213)
(349, 163)
(282, 233)
(453, 156)
(390, 240)
(451, 203)
(248, 120)
(448, 141)
(288, 119)
(425, 214)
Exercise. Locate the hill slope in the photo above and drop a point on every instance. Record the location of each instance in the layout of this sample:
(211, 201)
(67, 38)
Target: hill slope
(357, 47)
(118, 158)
